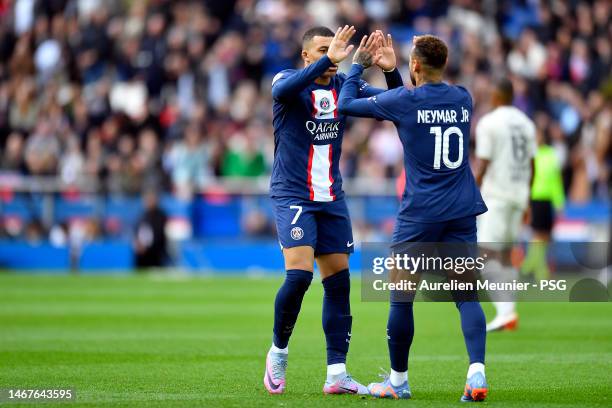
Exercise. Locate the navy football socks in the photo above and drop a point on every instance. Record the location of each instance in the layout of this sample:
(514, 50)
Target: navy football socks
(474, 327)
(337, 319)
(288, 303)
(400, 331)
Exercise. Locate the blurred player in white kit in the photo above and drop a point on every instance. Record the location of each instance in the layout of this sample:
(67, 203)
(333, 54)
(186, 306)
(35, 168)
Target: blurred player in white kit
(505, 148)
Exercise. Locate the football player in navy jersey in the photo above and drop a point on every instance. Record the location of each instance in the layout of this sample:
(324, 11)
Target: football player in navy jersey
(441, 199)
(312, 218)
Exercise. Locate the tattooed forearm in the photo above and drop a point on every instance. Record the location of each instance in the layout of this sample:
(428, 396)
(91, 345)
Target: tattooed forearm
(363, 58)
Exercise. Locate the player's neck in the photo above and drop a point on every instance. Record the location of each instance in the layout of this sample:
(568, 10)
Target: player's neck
(322, 81)
(429, 80)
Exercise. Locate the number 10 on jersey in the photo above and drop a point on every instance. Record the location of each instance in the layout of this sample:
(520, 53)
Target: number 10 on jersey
(442, 146)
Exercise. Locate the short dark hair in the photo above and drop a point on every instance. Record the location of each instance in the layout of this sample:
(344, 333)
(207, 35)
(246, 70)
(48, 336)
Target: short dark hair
(505, 89)
(321, 31)
(431, 51)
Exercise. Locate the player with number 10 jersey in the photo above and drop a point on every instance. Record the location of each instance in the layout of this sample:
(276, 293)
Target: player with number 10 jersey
(441, 199)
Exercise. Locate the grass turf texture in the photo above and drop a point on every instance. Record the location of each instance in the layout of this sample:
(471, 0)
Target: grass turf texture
(166, 342)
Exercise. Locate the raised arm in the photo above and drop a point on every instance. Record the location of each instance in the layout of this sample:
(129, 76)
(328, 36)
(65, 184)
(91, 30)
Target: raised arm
(381, 106)
(286, 85)
(385, 59)
(394, 80)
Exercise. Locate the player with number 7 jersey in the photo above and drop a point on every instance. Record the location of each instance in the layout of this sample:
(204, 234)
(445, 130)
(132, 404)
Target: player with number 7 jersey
(306, 184)
(312, 219)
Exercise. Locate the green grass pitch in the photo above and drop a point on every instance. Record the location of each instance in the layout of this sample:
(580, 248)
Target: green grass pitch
(165, 342)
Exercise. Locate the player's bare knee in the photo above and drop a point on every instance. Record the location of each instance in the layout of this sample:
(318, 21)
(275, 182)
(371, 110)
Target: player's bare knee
(301, 258)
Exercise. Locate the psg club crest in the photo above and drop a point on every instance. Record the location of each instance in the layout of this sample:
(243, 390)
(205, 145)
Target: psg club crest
(324, 104)
(297, 233)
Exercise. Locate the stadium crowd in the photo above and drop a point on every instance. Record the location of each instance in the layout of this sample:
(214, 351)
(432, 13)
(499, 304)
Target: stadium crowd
(142, 94)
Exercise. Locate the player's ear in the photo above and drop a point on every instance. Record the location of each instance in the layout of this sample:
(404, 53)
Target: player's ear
(417, 65)
(305, 57)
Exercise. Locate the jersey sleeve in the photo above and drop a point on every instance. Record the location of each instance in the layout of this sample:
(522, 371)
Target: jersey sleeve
(484, 139)
(287, 84)
(383, 105)
(366, 90)
(468, 96)
(393, 78)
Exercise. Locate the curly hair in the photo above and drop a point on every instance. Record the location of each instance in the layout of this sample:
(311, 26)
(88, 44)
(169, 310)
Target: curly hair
(430, 50)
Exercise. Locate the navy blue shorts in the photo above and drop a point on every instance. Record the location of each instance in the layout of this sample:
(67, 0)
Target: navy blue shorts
(459, 238)
(458, 230)
(324, 226)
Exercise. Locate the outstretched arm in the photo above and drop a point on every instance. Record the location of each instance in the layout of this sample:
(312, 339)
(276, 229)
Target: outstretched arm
(385, 59)
(393, 78)
(287, 85)
(382, 106)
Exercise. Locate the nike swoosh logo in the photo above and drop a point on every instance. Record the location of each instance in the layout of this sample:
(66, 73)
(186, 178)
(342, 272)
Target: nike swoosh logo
(352, 391)
(272, 385)
(349, 244)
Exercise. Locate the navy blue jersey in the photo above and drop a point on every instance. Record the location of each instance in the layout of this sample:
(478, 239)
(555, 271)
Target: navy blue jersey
(433, 122)
(308, 131)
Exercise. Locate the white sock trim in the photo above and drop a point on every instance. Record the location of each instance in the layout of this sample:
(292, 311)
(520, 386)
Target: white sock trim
(336, 369)
(398, 378)
(475, 368)
(275, 349)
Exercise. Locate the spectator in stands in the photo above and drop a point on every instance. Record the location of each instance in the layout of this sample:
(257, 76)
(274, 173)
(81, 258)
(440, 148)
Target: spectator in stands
(243, 157)
(71, 164)
(189, 162)
(149, 155)
(12, 157)
(188, 82)
(24, 111)
(42, 150)
(95, 158)
(528, 57)
(126, 169)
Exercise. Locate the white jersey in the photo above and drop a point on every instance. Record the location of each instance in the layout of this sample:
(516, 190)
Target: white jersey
(507, 138)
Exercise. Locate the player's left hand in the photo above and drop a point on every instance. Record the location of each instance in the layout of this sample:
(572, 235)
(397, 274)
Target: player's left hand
(385, 56)
(366, 53)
